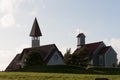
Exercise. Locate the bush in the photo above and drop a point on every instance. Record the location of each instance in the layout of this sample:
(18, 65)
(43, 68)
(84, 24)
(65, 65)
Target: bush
(33, 59)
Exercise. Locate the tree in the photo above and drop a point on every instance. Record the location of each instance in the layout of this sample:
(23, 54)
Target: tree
(81, 57)
(33, 59)
(67, 56)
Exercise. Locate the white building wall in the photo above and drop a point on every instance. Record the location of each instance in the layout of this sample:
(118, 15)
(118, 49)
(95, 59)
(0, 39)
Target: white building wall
(95, 55)
(80, 41)
(56, 59)
(35, 43)
(110, 58)
(101, 60)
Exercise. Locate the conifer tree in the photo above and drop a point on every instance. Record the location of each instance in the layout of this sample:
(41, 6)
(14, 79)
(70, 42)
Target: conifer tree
(67, 56)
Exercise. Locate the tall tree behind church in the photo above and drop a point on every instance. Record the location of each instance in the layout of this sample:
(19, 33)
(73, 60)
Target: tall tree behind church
(67, 56)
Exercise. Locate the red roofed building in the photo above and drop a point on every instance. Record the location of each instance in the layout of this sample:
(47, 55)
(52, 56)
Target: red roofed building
(49, 53)
(99, 53)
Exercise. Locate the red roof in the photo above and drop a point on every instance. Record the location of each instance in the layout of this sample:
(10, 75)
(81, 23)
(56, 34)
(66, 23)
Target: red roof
(80, 34)
(103, 50)
(35, 32)
(91, 47)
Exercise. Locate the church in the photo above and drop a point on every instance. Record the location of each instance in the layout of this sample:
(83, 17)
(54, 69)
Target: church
(49, 53)
(98, 52)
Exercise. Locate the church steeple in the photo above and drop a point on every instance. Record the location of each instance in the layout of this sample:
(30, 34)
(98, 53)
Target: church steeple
(80, 40)
(35, 34)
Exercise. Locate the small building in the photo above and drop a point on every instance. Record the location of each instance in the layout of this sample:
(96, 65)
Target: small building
(99, 53)
(49, 53)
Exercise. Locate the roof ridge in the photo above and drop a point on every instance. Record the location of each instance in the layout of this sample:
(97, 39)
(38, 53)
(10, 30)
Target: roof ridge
(40, 46)
(95, 42)
(108, 46)
(47, 45)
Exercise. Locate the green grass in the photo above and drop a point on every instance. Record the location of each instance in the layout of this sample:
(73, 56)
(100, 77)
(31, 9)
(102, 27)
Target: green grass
(61, 73)
(52, 76)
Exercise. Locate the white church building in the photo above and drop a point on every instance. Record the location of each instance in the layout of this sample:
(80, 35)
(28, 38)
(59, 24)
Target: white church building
(99, 53)
(49, 53)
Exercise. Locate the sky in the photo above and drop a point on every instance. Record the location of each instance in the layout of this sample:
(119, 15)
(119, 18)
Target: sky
(60, 21)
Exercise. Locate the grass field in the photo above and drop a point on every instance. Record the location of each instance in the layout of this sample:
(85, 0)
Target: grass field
(61, 73)
(52, 76)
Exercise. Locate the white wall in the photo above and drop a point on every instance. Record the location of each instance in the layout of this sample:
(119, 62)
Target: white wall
(80, 41)
(35, 43)
(56, 59)
(101, 60)
(110, 58)
(95, 54)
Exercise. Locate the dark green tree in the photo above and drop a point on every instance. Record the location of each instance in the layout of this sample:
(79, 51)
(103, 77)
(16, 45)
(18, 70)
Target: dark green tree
(81, 57)
(33, 59)
(67, 56)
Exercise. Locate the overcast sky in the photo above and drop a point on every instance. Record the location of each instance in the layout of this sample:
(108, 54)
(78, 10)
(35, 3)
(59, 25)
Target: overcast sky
(60, 21)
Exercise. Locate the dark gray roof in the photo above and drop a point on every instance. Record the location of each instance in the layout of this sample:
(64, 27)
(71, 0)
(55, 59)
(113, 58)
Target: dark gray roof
(46, 52)
(80, 34)
(35, 32)
(14, 63)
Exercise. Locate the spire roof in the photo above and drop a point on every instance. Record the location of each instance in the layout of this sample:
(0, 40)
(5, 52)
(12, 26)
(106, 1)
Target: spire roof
(35, 32)
(80, 34)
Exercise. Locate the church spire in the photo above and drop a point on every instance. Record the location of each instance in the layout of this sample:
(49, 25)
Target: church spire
(35, 34)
